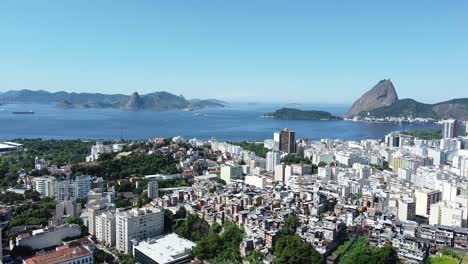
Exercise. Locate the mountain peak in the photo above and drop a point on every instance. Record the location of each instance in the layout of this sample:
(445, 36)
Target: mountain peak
(382, 94)
(133, 102)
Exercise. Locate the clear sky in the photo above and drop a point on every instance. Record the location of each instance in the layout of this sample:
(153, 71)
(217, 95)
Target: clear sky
(289, 51)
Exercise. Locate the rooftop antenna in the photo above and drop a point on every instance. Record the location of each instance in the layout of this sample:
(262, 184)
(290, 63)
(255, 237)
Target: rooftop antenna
(121, 132)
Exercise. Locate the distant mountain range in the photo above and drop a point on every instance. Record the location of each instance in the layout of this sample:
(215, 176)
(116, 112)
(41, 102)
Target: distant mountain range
(156, 100)
(297, 114)
(382, 101)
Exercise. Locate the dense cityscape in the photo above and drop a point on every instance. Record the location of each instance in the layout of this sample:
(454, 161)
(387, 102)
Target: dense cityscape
(403, 198)
(233, 132)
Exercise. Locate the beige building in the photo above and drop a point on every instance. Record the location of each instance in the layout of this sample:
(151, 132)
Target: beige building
(406, 209)
(424, 198)
(137, 224)
(105, 228)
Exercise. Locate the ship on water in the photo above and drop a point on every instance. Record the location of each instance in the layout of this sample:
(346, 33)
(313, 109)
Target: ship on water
(30, 112)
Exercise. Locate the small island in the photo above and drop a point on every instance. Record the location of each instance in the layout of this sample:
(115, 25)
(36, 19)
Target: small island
(297, 114)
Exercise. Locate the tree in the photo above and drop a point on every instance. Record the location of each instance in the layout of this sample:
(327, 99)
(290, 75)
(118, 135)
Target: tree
(110, 168)
(78, 221)
(361, 252)
(255, 257)
(291, 223)
(194, 228)
(258, 148)
(208, 247)
(21, 251)
(293, 249)
(168, 221)
(100, 256)
(32, 213)
(126, 259)
(216, 228)
(180, 213)
(293, 159)
(121, 202)
(231, 237)
(322, 164)
(220, 246)
(32, 195)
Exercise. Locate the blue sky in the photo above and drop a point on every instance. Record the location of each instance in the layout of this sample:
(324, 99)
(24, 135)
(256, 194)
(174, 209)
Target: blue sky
(289, 51)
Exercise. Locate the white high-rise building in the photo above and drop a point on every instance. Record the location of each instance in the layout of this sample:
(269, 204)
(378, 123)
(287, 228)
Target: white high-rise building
(424, 198)
(406, 209)
(273, 158)
(437, 155)
(231, 172)
(138, 224)
(451, 128)
(449, 191)
(98, 149)
(105, 228)
(153, 190)
(279, 172)
(82, 186)
(447, 213)
(64, 190)
(257, 181)
(464, 167)
(276, 140)
(45, 186)
(93, 211)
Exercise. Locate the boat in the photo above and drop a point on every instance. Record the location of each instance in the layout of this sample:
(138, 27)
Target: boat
(30, 112)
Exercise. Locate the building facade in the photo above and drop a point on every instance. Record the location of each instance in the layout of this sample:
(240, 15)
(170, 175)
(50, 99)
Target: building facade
(451, 128)
(288, 141)
(137, 224)
(105, 228)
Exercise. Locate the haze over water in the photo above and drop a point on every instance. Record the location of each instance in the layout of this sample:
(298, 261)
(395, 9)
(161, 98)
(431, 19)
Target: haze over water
(236, 122)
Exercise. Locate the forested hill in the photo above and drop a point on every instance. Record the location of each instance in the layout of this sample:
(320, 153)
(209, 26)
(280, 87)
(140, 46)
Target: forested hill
(297, 114)
(456, 108)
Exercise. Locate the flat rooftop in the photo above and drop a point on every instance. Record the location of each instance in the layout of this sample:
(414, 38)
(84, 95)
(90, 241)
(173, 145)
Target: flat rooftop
(61, 255)
(165, 249)
(6, 146)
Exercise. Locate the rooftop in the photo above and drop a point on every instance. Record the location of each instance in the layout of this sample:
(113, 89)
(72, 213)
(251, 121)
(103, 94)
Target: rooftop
(60, 255)
(165, 249)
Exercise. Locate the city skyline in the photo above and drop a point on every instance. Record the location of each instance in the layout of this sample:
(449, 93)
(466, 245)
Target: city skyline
(327, 53)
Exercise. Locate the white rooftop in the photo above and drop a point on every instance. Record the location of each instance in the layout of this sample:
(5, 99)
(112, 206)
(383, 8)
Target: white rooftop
(165, 249)
(13, 144)
(5, 146)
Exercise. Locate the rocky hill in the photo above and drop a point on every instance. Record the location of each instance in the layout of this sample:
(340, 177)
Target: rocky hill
(365, 106)
(133, 102)
(156, 100)
(456, 108)
(382, 94)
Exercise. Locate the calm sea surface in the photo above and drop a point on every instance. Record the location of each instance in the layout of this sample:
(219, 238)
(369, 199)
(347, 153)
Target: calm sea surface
(236, 122)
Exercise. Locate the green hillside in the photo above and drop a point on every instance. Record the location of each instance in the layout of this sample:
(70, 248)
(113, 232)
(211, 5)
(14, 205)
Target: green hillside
(403, 108)
(297, 114)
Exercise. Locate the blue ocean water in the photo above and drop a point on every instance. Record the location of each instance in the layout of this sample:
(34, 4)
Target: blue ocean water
(239, 121)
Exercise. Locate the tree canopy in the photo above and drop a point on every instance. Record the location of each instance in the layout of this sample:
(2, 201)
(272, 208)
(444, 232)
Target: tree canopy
(291, 248)
(110, 167)
(221, 245)
(361, 252)
(258, 148)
